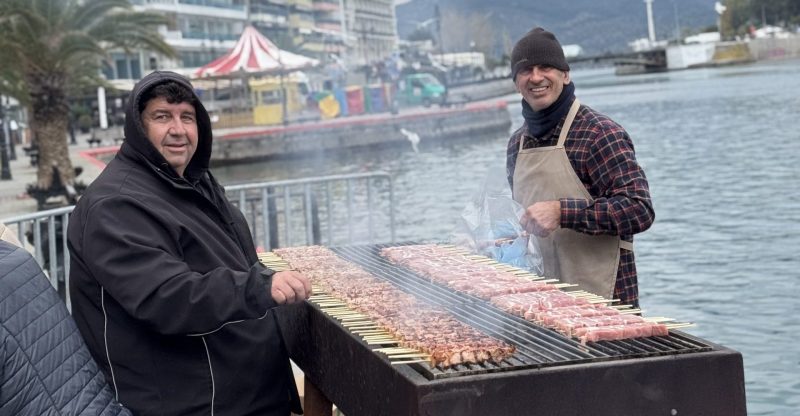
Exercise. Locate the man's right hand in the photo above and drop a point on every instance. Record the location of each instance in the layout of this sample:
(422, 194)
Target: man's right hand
(290, 287)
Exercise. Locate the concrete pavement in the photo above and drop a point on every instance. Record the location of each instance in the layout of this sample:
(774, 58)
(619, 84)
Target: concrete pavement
(13, 198)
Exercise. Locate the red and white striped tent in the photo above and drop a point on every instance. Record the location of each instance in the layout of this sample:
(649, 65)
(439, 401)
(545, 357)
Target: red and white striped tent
(254, 54)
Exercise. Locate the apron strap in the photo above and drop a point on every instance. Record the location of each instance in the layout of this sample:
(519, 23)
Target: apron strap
(626, 245)
(568, 122)
(521, 141)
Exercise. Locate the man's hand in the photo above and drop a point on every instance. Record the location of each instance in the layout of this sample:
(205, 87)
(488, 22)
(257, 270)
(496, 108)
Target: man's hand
(542, 218)
(290, 287)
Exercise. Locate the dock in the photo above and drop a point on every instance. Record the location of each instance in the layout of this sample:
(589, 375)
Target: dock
(245, 144)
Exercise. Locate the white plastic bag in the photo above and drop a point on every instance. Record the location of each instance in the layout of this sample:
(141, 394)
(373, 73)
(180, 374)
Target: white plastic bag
(490, 226)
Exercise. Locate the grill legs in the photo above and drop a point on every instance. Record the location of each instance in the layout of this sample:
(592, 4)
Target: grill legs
(314, 401)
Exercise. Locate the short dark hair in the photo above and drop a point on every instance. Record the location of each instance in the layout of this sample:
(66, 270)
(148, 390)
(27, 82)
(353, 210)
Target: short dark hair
(172, 91)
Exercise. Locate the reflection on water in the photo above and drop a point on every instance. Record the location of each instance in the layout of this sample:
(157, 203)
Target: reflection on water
(720, 148)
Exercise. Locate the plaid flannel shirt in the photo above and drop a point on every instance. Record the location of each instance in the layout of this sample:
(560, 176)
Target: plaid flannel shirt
(601, 153)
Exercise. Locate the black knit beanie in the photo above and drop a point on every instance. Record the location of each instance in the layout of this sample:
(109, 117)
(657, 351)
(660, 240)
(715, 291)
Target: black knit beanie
(537, 47)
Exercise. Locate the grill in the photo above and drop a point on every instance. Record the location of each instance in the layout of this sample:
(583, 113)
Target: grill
(548, 374)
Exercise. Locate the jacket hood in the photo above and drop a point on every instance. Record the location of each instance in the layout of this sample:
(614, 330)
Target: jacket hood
(136, 138)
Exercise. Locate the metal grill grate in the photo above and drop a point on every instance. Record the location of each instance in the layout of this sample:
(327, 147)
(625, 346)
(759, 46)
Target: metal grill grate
(536, 346)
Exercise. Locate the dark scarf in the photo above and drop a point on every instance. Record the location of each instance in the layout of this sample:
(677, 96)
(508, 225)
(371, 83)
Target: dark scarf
(540, 122)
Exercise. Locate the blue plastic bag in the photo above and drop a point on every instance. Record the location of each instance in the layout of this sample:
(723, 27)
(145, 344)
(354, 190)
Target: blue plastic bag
(490, 226)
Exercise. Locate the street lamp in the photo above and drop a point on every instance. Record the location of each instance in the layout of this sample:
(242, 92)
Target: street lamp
(284, 106)
(720, 9)
(677, 22)
(5, 174)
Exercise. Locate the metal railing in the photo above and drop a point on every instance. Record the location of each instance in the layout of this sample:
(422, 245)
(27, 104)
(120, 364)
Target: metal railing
(329, 210)
(43, 233)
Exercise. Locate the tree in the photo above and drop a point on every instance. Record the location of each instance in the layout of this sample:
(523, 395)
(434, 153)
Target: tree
(51, 47)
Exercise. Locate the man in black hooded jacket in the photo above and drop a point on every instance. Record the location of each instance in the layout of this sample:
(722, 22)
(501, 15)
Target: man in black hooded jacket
(165, 283)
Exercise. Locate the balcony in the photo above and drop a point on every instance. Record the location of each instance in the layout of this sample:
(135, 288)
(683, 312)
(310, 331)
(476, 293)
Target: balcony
(301, 4)
(269, 18)
(216, 9)
(210, 36)
(324, 6)
(329, 26)
(222, 4)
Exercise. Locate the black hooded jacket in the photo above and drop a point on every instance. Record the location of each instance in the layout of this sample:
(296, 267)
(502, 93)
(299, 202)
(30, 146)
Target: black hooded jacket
(166, 286)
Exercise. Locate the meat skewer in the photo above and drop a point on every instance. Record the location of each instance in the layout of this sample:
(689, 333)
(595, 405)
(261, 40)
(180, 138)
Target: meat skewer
(409, 322)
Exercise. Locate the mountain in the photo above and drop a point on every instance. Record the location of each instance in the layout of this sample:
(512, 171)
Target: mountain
(597, 26)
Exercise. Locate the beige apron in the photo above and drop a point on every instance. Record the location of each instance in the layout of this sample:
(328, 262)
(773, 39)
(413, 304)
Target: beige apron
(545, 174)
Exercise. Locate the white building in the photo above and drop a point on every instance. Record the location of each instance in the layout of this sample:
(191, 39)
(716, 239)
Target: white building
(198, 30)
(370, 30)
(358, 31)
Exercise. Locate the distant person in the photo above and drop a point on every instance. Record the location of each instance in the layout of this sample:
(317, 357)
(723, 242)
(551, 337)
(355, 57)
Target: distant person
(165, 282)
(575, 172)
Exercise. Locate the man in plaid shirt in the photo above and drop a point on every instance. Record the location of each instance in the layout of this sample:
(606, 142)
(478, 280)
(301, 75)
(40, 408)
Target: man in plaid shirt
(616, 199)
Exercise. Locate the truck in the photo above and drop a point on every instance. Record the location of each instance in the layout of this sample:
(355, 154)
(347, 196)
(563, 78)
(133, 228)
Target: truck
(419, 89)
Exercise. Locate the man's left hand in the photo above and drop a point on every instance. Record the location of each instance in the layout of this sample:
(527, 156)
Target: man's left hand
(290, 287)
(542, 218)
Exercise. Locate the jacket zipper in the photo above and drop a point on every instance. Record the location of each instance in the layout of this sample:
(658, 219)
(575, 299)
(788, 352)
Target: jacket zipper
(210, 371)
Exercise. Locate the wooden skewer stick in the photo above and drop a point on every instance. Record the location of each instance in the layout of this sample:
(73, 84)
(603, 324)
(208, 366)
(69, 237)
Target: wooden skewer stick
(659, 319)
(630, 311)
(563, 285)
(379, 336)
(324, 297)
(367, 328)
(338, 309)
(401, 356)
(378, 342)
(680, 325)
(395, 349)
(409, 362)
(348, 316)
(361, 326)
(355, 320)
(371, 332)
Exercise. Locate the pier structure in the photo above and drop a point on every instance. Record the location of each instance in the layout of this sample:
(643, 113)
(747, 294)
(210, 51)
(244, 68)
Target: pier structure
(467, 121)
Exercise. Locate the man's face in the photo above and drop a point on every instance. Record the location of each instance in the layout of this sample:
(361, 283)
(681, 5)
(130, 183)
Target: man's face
(541, 85)
(172, 129)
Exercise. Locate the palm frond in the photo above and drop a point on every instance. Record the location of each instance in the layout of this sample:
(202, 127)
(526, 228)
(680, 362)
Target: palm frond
(92, 12)
(132, 30)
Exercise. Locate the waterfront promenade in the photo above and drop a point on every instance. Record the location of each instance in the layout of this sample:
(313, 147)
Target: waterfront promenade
(13, 198)
(258, 142)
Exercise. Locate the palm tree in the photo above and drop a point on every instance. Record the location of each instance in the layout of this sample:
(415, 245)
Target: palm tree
(51, 47)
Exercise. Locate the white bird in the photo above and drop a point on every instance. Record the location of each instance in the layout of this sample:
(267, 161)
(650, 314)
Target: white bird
(412, 137)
